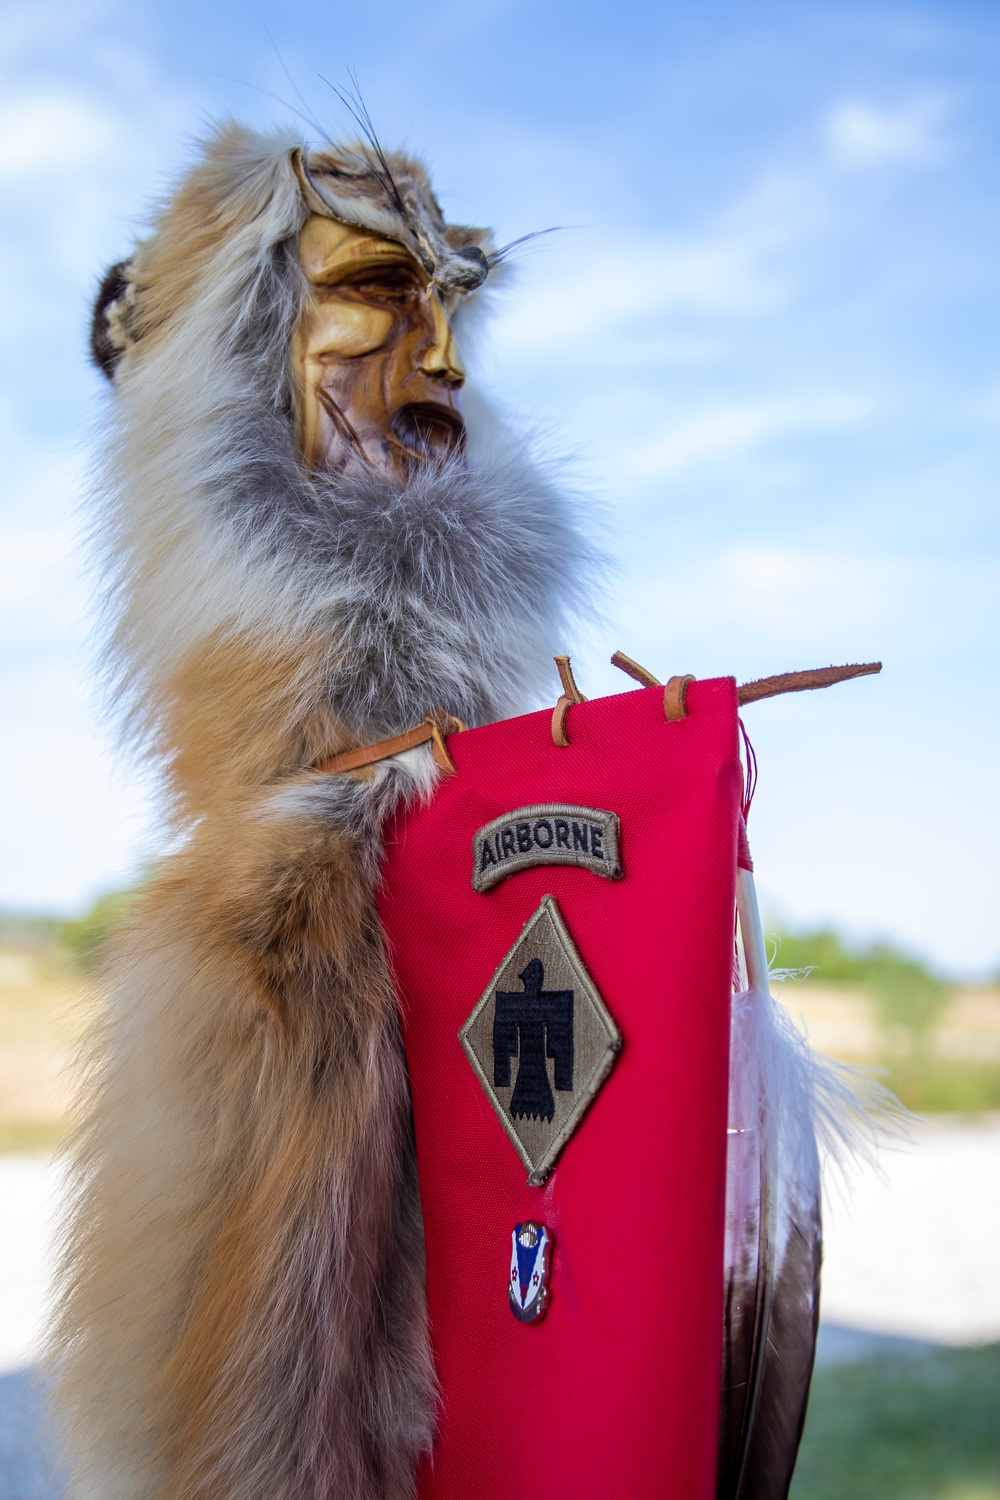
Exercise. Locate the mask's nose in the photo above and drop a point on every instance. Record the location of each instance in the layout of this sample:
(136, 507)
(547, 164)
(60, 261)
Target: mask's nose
(439, 356)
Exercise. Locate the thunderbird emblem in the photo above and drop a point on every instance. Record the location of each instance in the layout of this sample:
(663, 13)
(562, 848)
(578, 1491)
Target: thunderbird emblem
(528, 1289)
(541, 1041)
(532, 1026)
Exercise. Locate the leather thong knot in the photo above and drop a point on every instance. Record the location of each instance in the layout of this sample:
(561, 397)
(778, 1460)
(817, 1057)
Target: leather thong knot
(570, 694)
(435, 728)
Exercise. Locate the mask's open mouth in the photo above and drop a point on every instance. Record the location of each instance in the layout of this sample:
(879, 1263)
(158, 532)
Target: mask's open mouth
(429, 430)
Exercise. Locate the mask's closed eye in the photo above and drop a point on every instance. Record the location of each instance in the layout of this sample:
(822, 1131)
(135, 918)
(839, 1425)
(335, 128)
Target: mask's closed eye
(390, 285)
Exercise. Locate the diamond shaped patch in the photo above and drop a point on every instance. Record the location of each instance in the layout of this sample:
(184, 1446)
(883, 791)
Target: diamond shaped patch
(541, 1041)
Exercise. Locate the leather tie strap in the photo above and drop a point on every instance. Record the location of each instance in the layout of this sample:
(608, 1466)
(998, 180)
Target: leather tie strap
(801, 682)
(434, 728)
(674, 705)
(570, 694)
(634, 670)
(438, 725)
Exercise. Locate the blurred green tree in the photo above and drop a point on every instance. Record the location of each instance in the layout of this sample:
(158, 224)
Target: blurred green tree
(904, 991)
(85, 938)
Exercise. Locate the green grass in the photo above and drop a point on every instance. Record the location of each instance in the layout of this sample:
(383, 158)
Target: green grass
(904, 992)
(926, 1428)
(932, 1085)
(907, 1003)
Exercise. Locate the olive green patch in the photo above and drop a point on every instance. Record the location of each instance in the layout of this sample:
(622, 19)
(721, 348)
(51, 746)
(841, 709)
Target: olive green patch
(547, 833)
(541, 1041)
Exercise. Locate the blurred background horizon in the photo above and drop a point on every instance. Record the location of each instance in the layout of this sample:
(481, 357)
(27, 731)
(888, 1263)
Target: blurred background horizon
(761, 346)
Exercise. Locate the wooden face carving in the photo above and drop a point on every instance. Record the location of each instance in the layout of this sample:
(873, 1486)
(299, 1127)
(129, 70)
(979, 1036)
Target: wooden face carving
(376, 364)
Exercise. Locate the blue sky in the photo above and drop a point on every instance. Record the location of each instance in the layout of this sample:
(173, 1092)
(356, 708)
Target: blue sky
(765, 345)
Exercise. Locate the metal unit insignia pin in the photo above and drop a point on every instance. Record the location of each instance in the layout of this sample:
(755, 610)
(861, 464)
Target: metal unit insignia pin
(528, 1288)
(541, 1041)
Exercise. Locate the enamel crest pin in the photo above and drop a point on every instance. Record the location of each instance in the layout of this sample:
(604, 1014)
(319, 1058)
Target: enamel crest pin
(528, 1288)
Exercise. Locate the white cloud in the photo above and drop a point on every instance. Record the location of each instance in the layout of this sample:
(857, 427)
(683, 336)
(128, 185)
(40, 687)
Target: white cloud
(75, 819)
(611, 283)
(720, 433)
(43, 593)
(48, 132)
(859, 134)
(794, 592)
(586, 299)
(985, 407)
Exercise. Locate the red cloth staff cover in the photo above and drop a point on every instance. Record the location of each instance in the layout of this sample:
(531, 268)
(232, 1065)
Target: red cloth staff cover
(615, 1391)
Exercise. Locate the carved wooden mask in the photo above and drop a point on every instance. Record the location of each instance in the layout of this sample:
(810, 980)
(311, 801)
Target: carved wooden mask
(377, 367)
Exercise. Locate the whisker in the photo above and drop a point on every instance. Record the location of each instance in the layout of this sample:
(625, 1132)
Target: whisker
(504, 251)
(358, 110)
(307, 113)
(307, 119)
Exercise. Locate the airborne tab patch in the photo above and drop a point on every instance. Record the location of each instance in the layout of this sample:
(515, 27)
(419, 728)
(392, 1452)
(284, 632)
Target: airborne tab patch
(549, 833)
(541, 1041)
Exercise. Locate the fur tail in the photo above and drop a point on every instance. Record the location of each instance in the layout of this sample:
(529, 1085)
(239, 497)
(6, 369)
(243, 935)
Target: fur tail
(243, 1309)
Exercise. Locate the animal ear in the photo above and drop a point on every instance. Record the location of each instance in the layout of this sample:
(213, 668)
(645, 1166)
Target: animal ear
(108, 331)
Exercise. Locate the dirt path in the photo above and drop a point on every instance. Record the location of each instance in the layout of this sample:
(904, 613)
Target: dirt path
(912, 1251)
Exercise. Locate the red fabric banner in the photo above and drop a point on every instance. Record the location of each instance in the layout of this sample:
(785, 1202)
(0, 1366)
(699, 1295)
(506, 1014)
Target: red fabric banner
(615, 1392)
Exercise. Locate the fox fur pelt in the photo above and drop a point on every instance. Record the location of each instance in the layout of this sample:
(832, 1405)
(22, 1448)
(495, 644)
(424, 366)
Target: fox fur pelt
(242, 1313)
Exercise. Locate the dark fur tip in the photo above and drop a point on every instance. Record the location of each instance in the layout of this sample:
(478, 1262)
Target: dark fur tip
(467, 268)
(103, 352)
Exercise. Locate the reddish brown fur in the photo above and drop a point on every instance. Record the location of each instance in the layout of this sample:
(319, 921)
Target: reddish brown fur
(299, 1100)
(208, 209)
(241, 713)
